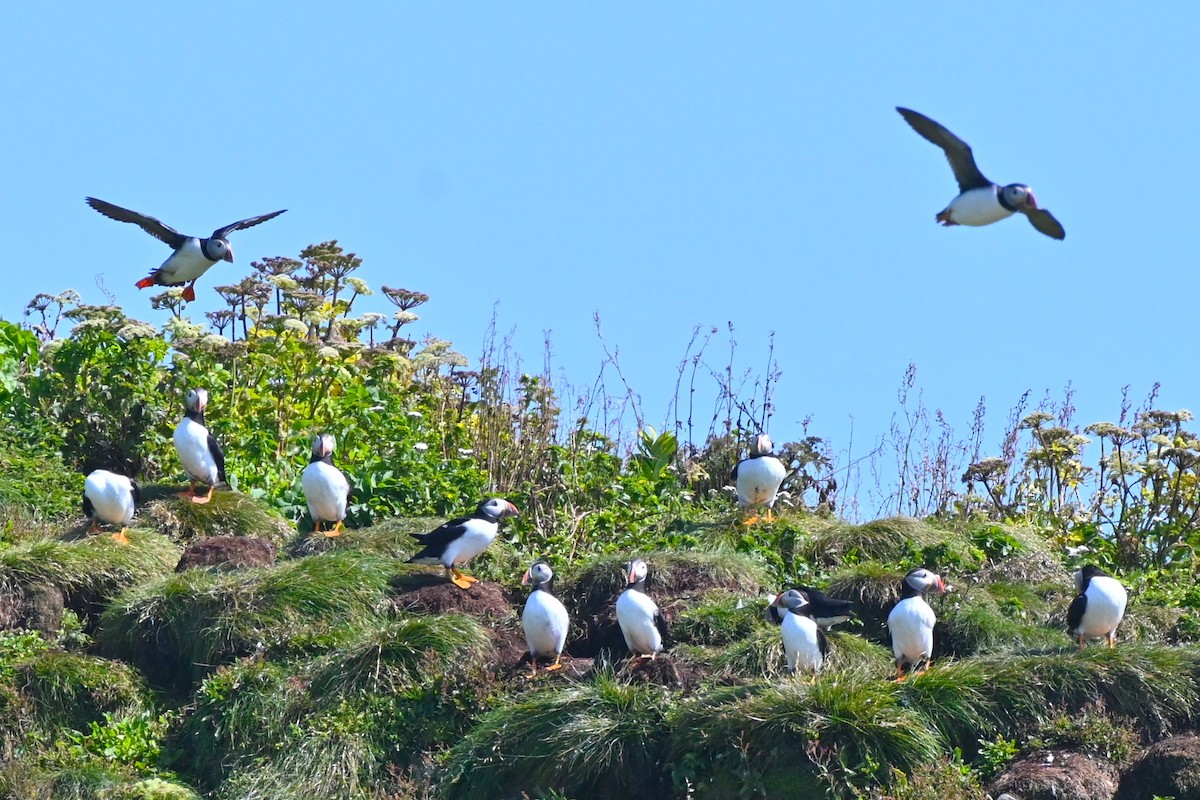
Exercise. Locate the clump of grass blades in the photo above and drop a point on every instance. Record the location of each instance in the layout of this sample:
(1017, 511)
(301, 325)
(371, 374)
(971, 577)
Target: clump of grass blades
(69, 690)
(977, 625)
(831, 542)
(92, 569)
(86, 780)
(671, 572)
(227, 514)
(602, 738)
(181, 627)
(790, 731)
(397, 653)
(760, 655)
(717, 618)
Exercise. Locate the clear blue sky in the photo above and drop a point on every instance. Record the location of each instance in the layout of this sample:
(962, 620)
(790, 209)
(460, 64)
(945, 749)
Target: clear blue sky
(667, 166)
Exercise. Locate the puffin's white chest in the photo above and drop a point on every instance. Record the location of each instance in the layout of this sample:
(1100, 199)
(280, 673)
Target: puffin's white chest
(545, 621)
(801, 643)
(911, 624)
(1106, 599)
(111, 496)
(635, 615)
(326, 490)
(477, 536)
(758, 480)
(191, 443)
(185, 264)
(977, 207)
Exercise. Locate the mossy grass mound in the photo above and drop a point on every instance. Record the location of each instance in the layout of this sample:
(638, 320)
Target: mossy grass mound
(89, 570)
(599, 738)
(830, 543)
(229, 513)
(35, 484)
(717, 617)
(70, 690)
(179, 628)
(85, 779)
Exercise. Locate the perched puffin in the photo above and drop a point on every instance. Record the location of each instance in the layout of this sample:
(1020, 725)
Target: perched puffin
(1098, 609)
(544, 619)
(109, 497)
(193, 255)
(826, 611)
(758, 478)
(198, 449)
(461, 539)
(804, 642)
(326, 489)
(642, 624)
(980, 201)
(911, 620)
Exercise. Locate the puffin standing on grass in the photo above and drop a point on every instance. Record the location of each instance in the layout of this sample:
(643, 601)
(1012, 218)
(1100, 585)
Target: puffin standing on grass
(192, 257)
(642, 624)
(112, 498)
(758, 478)
(326, 489)
(545, 619)
(1098, 609)
(980, 201)
(911, 621)
(459, 540)
(804, 643)
(198, 450)
(826, 611)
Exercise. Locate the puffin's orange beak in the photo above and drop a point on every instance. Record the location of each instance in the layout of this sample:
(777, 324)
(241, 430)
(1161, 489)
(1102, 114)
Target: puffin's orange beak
(526, 579)
(512, 510)
(228, 255)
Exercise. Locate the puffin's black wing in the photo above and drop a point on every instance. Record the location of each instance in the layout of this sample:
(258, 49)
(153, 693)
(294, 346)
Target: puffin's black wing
(159, 230)
(214, 448)
(88, 510)
(136, 492)
(436, 540)
(660, 622)
(958, 152)
(822, 643)
(1045, 222)
(1075, 613)
(733, 475)
(241, 224)
(825, 607)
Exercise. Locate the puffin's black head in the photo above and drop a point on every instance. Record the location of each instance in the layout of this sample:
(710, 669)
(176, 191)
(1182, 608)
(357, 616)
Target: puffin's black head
(197, 400)
(635, 574)
(922, 581)
(795, 601)
(1084, 575)
(539, 575)
(1018, 196)
(761, 446)
(322, 447)
(496, 509)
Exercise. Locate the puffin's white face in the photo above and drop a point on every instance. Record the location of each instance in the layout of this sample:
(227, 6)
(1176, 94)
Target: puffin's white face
(1018, 195)
(793, 599)
(221, 249)
(538, 573)
(499, 508)
(636, 570)
(323, 444)
(925, 581)
(197, 399)
(762, 445)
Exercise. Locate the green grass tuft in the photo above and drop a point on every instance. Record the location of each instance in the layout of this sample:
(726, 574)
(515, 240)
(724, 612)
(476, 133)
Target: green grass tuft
(717, 618)
(831, 543)
(227, 514)
(69, 690)
(601, 738)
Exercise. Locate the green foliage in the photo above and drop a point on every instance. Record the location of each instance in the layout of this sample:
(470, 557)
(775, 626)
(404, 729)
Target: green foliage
(34, 483)
(132, 742)
(1090, 731)
(71, 690)
(18, 351)
(994, 755)
(604, 736)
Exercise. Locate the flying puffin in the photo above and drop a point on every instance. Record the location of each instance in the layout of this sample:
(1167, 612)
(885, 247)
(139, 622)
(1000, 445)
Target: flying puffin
(326, 489)
(826, 611)
(642, 624)
(198, 449)
(911, 620)
(804, 642)
(109, 497)
(461, 539)
(544, 619)
(980, 201)
(1098, 609)
(193, 255)
(758, 478)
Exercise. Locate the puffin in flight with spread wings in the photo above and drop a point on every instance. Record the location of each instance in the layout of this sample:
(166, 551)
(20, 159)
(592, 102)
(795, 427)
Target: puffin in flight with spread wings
(192, 257)
(980, 201)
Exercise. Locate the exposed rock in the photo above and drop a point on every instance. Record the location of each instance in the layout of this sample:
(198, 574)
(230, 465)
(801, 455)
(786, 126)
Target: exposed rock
(227, 552)
(1057, 775)
(1170, 768)
(38, 607)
